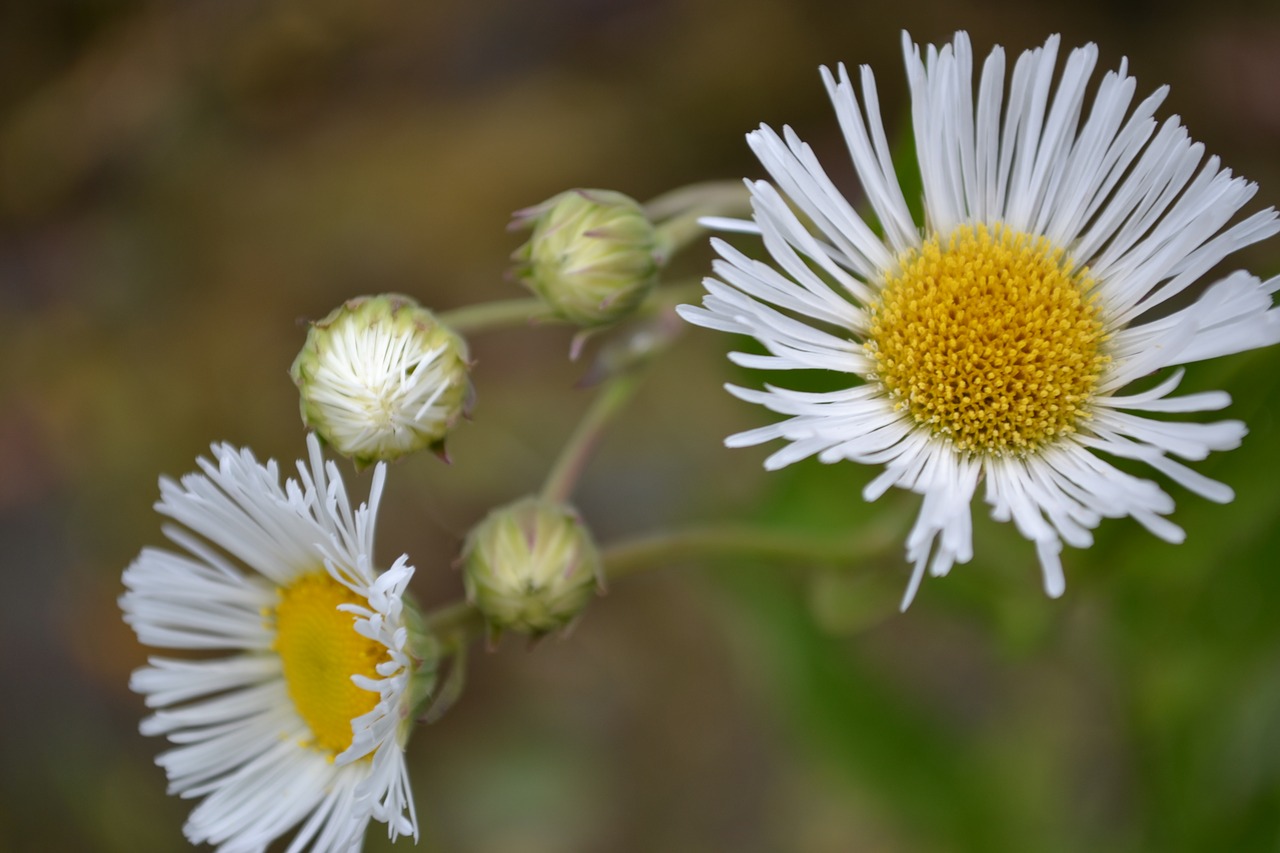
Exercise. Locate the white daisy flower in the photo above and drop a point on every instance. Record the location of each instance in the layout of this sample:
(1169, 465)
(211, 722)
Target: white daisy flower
(381, 377)
(1058, 261)
(303, 717)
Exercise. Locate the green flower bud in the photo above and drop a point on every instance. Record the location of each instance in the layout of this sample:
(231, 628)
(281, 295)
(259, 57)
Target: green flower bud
(380, 377)
(593, 255)
(530, 567)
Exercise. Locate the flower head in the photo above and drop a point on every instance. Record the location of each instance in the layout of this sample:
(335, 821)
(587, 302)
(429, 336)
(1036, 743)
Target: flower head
(593, 256)
(298, 711)
(530, 566)
(1059, 260)
(381, 377)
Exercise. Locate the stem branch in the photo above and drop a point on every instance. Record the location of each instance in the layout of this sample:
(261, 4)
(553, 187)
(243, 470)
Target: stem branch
(457, 624)
(454, 626)
(651, 551)
(573, 458)
(677, 212)
(502, 313)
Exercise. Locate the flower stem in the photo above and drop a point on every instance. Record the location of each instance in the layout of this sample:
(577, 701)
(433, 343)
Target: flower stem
(457, 624)
(573, 458)
(502, 313)
(659, 549)
(677, 212)
(454, 626)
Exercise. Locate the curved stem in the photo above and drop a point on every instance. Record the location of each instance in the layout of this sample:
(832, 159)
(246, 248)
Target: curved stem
(720, 198)
(503, 313)
(677, 212)
(454, 626)
(573, 458)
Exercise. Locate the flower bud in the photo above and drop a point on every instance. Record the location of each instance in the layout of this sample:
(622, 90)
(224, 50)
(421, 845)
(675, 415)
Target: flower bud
(593, 256)
(380, 377)
(530, 567)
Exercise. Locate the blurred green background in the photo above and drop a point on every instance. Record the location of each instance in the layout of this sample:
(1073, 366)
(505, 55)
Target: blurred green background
(182, 184)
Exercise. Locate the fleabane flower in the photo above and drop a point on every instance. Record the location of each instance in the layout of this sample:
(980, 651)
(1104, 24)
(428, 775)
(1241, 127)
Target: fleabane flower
(1060, 259)
(296, 712)
(381, 377)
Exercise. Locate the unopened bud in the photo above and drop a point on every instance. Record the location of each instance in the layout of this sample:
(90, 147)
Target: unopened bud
(530, 567)
(380, 377)
(593, 256)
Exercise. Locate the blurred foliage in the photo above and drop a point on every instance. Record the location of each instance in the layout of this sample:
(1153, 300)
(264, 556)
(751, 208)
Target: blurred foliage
(182, 182)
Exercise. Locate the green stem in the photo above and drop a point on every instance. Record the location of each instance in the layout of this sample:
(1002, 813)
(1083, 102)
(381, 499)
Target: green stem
(503, 313)
(677, 212)
(660, 549)
(573, 458)
(454, 626)
(457, 624)
(678, 232)
(709, 198)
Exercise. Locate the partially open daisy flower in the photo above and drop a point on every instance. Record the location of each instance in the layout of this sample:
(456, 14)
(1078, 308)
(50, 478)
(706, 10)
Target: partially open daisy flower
(296, 712)
(382, 377)
(1059, 260)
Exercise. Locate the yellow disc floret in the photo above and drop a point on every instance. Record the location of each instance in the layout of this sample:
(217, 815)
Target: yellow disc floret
(990, 338)
(319, 651)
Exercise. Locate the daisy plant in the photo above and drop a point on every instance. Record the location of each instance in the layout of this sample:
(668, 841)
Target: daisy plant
(302, 664)
(1020, 334)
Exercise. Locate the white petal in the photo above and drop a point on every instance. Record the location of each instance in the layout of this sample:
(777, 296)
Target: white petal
(1132, 200)
(239, 743)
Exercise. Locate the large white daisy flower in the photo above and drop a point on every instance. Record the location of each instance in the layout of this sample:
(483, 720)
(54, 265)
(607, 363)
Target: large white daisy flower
(303, 716)
(1058, 261)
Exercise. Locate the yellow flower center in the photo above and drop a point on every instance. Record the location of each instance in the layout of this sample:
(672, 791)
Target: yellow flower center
(993, 340)
(319, 652)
